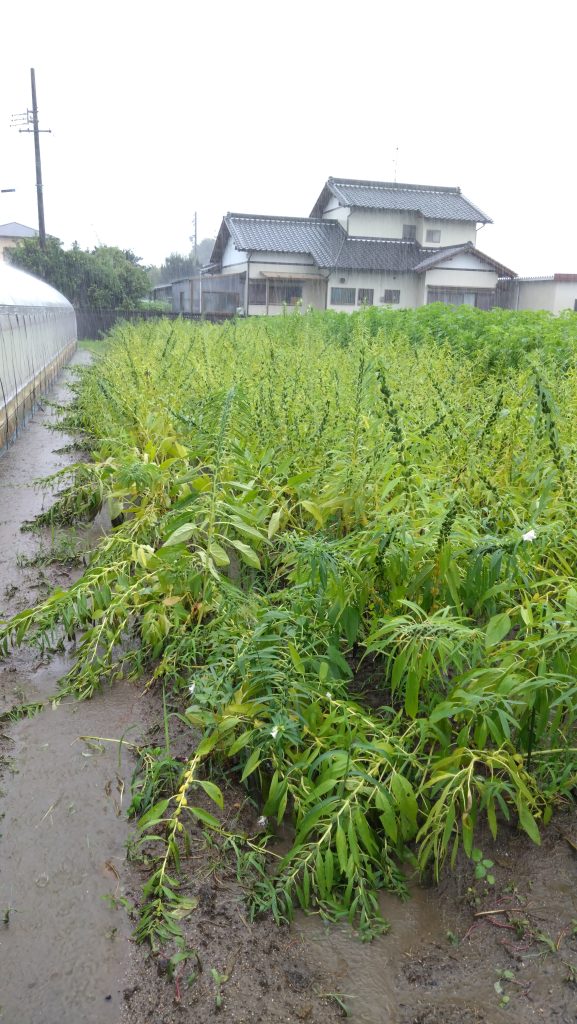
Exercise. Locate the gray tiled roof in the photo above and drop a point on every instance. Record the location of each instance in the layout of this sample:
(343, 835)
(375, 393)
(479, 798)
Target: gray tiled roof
(378, 254)
(433, 202)
(330, 247)
(321, 238)
(16, 230)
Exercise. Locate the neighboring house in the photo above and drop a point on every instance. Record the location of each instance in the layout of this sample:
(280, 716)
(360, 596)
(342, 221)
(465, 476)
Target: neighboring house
(161, 293)
(555, 293)
(13, 233)
(365, 242)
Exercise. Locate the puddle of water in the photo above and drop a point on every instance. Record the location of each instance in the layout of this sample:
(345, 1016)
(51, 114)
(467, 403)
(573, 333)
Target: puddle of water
(63, 833)
(366, 974)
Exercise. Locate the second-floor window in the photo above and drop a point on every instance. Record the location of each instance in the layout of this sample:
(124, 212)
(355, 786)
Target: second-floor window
(433, 235)
(409, 232)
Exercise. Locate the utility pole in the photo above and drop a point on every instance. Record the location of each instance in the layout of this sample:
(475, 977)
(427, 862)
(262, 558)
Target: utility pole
(194, 236)
(31, 118)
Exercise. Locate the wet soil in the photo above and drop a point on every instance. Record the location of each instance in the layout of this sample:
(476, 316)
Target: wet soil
(464, 952)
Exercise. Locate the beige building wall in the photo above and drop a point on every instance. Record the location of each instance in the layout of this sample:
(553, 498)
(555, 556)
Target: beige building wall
(6, 243)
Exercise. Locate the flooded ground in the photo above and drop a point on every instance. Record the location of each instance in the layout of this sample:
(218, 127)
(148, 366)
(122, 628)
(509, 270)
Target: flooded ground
(63, 833)
(463, 953)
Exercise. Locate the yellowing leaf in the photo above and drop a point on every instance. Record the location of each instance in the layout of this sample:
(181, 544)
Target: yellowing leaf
(274, 523)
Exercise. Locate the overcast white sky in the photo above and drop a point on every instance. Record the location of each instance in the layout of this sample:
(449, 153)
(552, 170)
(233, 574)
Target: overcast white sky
(158, 110)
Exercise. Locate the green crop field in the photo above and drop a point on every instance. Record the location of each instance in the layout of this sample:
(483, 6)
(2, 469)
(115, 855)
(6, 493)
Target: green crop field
(307, 506)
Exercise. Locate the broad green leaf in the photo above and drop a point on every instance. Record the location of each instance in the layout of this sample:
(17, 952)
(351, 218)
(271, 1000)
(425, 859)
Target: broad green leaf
(247, 553)
(296, 659)
(527, 821)
(155, 813)
(315, 511)
(342, 848)
(497, 629)
(212, 791)
(252, 763)
(218, 554)
(412, 693)
(205, 817)
(208, 743)
(181, 535)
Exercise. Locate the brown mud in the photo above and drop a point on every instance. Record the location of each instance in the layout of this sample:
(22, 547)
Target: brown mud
(464, 952)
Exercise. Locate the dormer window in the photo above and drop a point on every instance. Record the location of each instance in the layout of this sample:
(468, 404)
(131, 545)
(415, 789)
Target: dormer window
(409, 232)
(434, 236)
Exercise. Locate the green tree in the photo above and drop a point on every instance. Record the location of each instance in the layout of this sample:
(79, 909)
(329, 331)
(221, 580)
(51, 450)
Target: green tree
(177, 266)
(104, 278)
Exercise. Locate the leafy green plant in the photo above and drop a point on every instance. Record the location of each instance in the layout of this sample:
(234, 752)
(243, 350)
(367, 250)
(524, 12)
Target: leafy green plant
(293, 499)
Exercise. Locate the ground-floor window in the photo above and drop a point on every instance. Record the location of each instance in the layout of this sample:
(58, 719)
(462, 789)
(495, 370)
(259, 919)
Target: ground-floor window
(391, 296)
(343, 296)
(280, 292)
(257, 293)
(482, 298)
(365, 296)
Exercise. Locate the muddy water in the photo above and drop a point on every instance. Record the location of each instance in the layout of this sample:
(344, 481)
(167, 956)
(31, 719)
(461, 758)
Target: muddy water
(441, 959)
(63, 947)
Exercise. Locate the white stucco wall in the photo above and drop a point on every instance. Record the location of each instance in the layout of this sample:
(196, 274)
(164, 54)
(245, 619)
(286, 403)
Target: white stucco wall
(389, 224)
(282, 260)
(231, 256)
(409, 285)
(452, 276)
(554, 296)
(333, 211)
(453, 232)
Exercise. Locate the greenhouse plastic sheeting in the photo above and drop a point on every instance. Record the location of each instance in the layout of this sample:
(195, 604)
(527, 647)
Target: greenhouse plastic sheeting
(37, 335)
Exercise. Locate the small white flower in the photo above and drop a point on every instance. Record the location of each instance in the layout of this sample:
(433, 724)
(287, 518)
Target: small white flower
(274, 732)
(191, 688)
(262, 822)
(530, 535)
(328, 695)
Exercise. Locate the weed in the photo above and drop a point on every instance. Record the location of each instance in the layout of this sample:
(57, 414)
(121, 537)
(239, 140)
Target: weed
(284, 508)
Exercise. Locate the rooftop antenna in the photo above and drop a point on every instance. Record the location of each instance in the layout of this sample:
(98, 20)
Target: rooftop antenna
(395, 164)
(30, 117)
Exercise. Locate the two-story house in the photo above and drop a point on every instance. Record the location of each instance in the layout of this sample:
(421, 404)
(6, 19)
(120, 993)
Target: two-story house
(364, 242)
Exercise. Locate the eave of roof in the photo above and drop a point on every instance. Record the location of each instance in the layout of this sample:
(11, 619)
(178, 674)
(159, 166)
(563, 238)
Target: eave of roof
(448, 253)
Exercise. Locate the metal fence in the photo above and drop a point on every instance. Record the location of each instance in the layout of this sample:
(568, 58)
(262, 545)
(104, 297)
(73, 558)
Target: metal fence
(94, 323)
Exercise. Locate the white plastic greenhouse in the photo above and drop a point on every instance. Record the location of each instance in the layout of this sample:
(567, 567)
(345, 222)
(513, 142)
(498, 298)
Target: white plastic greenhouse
(37, 336)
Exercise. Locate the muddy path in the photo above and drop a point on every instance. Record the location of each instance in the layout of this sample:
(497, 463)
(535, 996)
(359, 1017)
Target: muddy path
(465, 952)
(63, 832)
